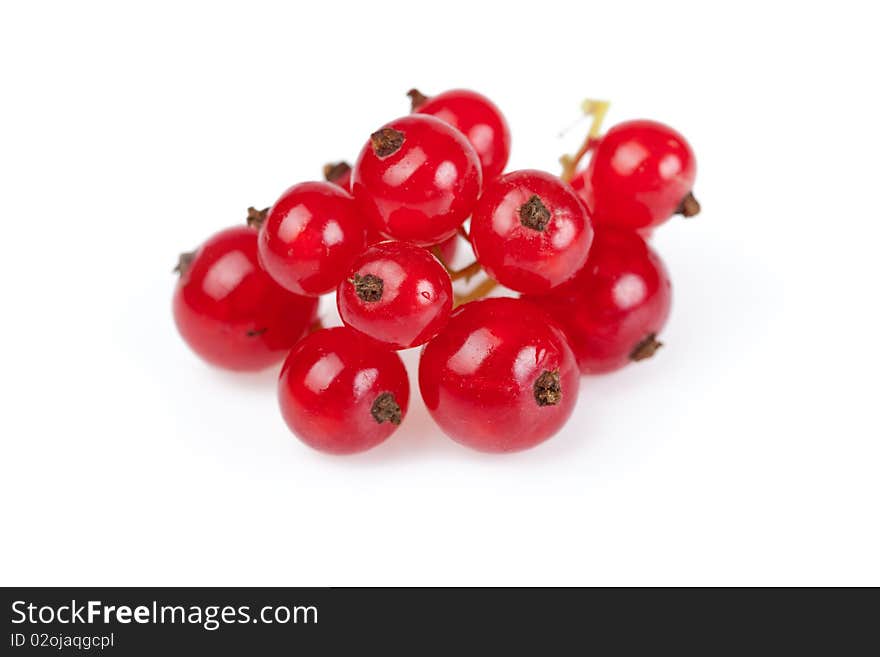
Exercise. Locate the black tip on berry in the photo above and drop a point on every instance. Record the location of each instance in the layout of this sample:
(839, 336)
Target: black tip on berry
(386, 141)
(333, 171)
(183, 262)
(690, 206)
(253, 333)
(646, 348)
(416, 99)
(386, 409)
(534, 214)
(368, 288)
(256, 218)
(548, 390)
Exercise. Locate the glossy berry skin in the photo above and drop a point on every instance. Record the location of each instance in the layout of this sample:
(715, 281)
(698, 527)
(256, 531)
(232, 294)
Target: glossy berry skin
(530, 231)
(500, 377)
(478, 119)
(396, 293)
(447, 249)
(230, 312)
(340, 174)
(616, 305)
(417, 180)
(639, 175)
(310, 237)
(579, 186)
(341, 393)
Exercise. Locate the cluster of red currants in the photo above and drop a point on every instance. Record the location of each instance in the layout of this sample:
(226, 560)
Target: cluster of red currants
(499, 374)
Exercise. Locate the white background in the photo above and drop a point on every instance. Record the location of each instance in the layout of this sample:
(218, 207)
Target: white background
(745, 452)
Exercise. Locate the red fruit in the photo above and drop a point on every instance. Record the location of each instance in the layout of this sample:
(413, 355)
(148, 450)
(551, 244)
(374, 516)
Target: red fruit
(477, 118)
(229, 311)
(447, 250)
(341, 393)
(641, 173)
(530, 231)
(500, 377)
(579, 184)
(310, 238)
(338, 173)
(417, 180)
(396, 293)
(614, 308)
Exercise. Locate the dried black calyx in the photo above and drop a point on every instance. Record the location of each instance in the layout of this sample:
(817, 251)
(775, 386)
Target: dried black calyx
(386, 409)
(368, 288)
(416, 99)
(255, 332)
(646, 348)
(548, 390)
(336, 170)
(690, 206)
(183, 262)
(534, 214)
(386, 141)
(255, 218)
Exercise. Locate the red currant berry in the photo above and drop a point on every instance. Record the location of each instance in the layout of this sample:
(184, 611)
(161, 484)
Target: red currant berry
(229, 311)
(341, 393)
(446, 251)
(641, 173)
(477, 118)
(417, 180)
(614, 308)
(500, 377)
(338, 173)
(396, 293)
(579, 185)
(310, 237)
(530, 231)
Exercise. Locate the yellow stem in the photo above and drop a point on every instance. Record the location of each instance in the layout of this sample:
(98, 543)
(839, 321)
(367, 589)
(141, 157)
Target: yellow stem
(477, 293)
(435, 250)
(596, 109)
(467, 273)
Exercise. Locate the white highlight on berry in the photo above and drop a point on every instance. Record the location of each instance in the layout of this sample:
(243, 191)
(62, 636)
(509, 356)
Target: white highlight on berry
(669, 166)
(525, 363)
(564, 232)
(332, 233)
(399, 172)
(473, 352)
(629, 291)
(446, 175)
(225, 274)
(323, 373)
(294, 223)
(363, 381)
(629, 157)
(481, 137)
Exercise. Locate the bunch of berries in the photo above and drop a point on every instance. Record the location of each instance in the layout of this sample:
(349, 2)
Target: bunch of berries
(498, 374)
